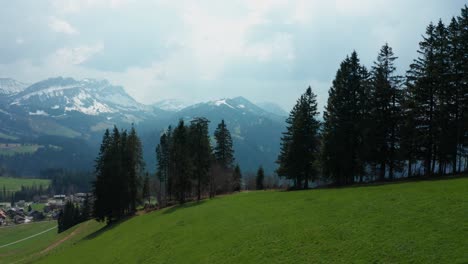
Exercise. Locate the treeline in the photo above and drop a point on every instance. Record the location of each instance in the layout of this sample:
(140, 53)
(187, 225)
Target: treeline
(26, 193)
(189, 167)
(119, 169)
(379, 125)
(67, 181)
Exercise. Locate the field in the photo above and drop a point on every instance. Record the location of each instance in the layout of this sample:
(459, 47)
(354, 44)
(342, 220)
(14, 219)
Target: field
(418, 222)
(14, 184)
(29, 250)
(14, 148)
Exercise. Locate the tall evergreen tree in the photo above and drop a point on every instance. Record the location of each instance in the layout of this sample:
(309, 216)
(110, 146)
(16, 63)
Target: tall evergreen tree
(260, 179)
(181, 160)
(343, 137)
(237, 178)
(201, 151)
(461, 63)
(135, 168)
(300, 145)
(427, 82)
(101, 191)
(223, 151)
(385, 113)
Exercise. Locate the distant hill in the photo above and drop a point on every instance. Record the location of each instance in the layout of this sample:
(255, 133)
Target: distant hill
(66, 119)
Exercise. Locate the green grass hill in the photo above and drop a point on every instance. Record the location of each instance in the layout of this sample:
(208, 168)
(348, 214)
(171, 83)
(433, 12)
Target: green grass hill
(416, 222)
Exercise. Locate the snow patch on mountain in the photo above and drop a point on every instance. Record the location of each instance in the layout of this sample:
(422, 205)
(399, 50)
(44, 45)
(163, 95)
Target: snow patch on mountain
(10, 87)
(39, 113)
(222, 102)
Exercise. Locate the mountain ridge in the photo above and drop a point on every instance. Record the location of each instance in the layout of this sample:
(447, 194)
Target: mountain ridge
(59, 107)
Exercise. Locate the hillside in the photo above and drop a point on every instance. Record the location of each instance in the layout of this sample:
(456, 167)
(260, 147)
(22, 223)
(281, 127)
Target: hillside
(411, 222)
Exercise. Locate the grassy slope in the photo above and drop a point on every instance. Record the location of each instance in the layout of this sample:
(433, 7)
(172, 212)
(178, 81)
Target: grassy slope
(411, 222)
(29, 250)
(14, 184)
(11, 234)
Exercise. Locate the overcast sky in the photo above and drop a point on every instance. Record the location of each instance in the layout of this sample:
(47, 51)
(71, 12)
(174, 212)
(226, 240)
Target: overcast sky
(203, 50)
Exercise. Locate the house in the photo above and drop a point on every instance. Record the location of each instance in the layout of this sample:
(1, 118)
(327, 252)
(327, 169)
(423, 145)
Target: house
(11, 212)
(19, 219)
(36, 215)
(60, 197)
(3, 217)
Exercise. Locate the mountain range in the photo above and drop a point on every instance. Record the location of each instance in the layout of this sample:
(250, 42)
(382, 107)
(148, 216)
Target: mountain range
(59, 122)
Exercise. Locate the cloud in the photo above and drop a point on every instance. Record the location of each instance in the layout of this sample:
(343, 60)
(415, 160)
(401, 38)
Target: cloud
(74, 56)
(269, 49)
(61, 26)
(75, 6)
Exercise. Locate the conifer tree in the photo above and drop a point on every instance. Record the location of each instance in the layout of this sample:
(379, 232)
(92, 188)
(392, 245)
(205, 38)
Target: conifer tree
(200, 151)
(385, 113)
(343, 155)
(223, 151)
(300, 145)
(260, 178)
(237, 178)
(181, 160)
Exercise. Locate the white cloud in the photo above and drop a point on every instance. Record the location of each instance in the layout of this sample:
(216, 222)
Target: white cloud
(19, 41)
(74, 56)
(75, 6)
(61, 26)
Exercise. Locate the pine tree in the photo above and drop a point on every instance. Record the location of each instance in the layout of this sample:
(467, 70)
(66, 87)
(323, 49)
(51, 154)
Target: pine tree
(236, 178)
(135, 167)
(68, 217)
(101, 191)
(200, 151)
(459, 61)
(385, 113)
(343, 153)
(260, 179)
(223, 151)
(181, 160)
(163, 163)
(427, 82)
(300, 145)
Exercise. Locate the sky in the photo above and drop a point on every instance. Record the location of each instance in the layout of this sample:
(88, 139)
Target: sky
(204, 50)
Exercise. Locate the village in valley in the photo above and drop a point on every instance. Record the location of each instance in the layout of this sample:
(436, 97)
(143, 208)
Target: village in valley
(41, 208)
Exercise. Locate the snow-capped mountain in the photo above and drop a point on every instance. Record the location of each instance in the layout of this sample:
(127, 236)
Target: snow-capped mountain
(10, 87)
(68, 117)
(59, 96)
(171, 105)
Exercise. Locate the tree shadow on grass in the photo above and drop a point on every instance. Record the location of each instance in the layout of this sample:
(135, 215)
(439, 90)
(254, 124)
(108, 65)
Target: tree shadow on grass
(182, 206)
(107, 228)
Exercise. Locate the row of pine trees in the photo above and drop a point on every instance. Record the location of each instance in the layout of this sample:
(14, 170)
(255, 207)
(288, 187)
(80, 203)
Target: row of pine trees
(379, 125)
(188, 166)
